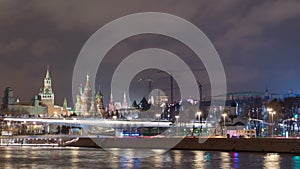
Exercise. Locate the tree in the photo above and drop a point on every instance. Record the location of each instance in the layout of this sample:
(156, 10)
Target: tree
(144, 105)
(135, 105)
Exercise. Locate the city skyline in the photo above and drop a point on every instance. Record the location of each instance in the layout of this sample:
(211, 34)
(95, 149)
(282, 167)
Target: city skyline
(257, 43)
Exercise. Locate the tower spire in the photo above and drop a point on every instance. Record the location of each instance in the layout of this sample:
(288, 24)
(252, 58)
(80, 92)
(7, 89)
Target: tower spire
(65, 104)
(47, 95)
(111, 98)
(124, 101)
(80, 89)
(47, 73)
(87, 84)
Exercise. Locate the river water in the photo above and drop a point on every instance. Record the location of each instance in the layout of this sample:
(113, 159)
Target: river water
(58, 157)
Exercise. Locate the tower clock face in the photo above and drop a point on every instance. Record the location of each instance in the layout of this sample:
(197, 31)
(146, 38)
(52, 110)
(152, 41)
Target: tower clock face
(47, 90)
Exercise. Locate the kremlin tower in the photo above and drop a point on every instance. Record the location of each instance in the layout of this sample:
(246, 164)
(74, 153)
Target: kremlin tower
(124, 104)
(111, 105)
(47, 95)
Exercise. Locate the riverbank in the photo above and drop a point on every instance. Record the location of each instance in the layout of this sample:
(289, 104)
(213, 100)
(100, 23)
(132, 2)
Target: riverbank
(272, 145)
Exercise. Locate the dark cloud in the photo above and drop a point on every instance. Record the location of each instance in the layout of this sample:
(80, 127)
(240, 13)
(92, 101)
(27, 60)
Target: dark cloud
(257, 40)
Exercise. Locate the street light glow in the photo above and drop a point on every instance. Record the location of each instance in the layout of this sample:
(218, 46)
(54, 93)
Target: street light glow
(224, 115)
(272, 113)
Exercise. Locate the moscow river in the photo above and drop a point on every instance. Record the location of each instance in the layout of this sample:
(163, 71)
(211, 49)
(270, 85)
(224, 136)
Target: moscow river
(58, 157)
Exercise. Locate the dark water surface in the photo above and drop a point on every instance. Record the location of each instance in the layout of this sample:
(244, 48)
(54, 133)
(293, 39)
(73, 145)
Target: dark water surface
(40, 157)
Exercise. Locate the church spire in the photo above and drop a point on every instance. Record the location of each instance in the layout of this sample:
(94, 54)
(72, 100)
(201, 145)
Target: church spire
(87, 85)
(111, 106)
(111, 98)
(65, 104)
(80, 89)
(99, 94)
(124, 101)
(267, 94)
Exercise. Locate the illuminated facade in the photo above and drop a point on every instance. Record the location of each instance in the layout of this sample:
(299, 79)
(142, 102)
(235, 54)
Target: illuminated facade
(100, 107)
(16, 108)
(86, 104)
(47, 95)
(47, 99)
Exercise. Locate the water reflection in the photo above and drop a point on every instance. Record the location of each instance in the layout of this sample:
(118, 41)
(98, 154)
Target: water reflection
(157, 161)
(74, 158)
(235, 159)
(296, 160)
(177, 157)
(272, 160)
(225, 158)
(36, 157)
(199, 161)
(7, 161)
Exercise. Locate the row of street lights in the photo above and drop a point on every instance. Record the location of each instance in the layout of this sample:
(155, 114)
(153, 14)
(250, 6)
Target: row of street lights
(198, 115)
(270, 110)
(272, 113)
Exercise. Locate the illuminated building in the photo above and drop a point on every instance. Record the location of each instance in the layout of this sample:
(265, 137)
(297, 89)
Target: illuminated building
(16, 108)
(47, 99)
(47, 95)
(86, 104)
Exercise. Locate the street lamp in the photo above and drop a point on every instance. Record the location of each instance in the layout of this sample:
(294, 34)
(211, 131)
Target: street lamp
(224, 116)
(177, 117)
(157, 116)
(199, 117)
(272, 113)
(269, 110)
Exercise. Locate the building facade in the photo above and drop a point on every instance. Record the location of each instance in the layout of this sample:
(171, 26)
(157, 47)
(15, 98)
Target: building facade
(11, 107)
(47, 99)
(86, 104)
(47, 95)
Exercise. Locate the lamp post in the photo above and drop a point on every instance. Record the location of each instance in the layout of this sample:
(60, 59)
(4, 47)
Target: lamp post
(176, 117)
(157, 116)
(269, 110)
(272, 113)
(199, 118)
(224, 116)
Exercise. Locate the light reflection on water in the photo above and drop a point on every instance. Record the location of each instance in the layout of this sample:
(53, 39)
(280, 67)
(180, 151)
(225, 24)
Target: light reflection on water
(38, 157)
(272, 160)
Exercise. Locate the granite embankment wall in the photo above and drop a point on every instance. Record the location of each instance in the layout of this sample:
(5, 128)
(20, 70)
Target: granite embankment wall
(277, 145)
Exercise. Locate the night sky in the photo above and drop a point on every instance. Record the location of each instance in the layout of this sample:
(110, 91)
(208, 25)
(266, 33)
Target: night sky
(258, 43)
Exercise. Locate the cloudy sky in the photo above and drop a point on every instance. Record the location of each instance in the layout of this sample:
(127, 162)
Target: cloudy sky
(258, 42)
